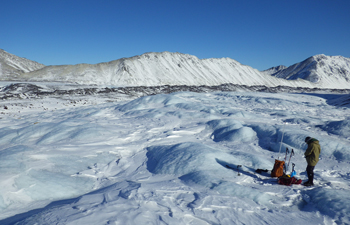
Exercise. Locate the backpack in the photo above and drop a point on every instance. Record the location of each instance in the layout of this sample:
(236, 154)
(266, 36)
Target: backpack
(277, 170)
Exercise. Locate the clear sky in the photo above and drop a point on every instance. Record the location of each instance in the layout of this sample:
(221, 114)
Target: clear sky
(260, 33)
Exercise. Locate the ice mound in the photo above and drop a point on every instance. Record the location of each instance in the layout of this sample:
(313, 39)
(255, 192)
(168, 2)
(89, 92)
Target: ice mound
(185, 158)
(341, 128)
(244, 134)
(231, 130)
(181, 159)
(202, 165)
(217, 124)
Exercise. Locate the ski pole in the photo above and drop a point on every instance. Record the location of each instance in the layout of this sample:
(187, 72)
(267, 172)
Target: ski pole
(285, 157)
(291, 154)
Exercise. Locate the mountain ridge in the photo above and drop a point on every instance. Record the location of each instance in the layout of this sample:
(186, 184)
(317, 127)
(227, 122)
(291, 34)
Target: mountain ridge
(174, 68)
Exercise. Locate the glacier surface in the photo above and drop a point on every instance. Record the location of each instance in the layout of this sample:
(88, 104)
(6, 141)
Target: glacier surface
(162, 159)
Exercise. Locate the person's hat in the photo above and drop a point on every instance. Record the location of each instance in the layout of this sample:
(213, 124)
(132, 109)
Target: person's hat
(307, 139)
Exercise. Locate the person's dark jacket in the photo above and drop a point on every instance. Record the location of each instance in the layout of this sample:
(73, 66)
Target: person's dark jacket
(312, 152)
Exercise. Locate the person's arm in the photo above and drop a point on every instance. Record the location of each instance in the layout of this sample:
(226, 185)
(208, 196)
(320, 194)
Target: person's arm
(308, 150)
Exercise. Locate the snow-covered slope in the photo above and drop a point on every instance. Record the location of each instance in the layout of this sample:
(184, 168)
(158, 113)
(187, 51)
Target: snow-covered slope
(320, 69)
(12, 66)
(153, 69)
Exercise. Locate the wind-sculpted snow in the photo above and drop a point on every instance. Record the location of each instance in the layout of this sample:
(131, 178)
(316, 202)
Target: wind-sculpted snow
(332, 202)
(201, 164)
(245, 134)
(180, 158)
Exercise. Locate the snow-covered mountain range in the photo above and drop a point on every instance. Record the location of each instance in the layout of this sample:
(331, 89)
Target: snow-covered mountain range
(166, 68)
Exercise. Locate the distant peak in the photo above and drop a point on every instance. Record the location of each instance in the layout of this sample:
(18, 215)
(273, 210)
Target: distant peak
(319, 57)
(274, 69)
(280, 67)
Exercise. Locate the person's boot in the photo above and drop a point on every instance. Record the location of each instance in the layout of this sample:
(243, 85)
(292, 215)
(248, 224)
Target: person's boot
(310, 182)
(306, 183)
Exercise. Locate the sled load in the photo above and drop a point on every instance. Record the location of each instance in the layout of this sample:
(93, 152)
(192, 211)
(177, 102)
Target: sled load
(288, 180)
(280, 170)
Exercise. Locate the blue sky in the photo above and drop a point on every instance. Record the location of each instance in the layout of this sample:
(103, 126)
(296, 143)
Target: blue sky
(261, 33)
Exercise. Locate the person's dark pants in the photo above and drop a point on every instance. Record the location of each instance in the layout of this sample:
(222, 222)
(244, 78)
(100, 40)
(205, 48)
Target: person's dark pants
(310, 174)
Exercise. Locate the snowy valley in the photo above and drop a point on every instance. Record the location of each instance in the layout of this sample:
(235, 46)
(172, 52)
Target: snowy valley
(153, 148)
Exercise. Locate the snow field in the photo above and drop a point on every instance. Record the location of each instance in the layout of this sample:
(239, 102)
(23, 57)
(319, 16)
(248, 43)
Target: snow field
(162, 160)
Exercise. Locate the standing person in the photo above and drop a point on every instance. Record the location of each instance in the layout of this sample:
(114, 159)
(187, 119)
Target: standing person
(312, 155)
